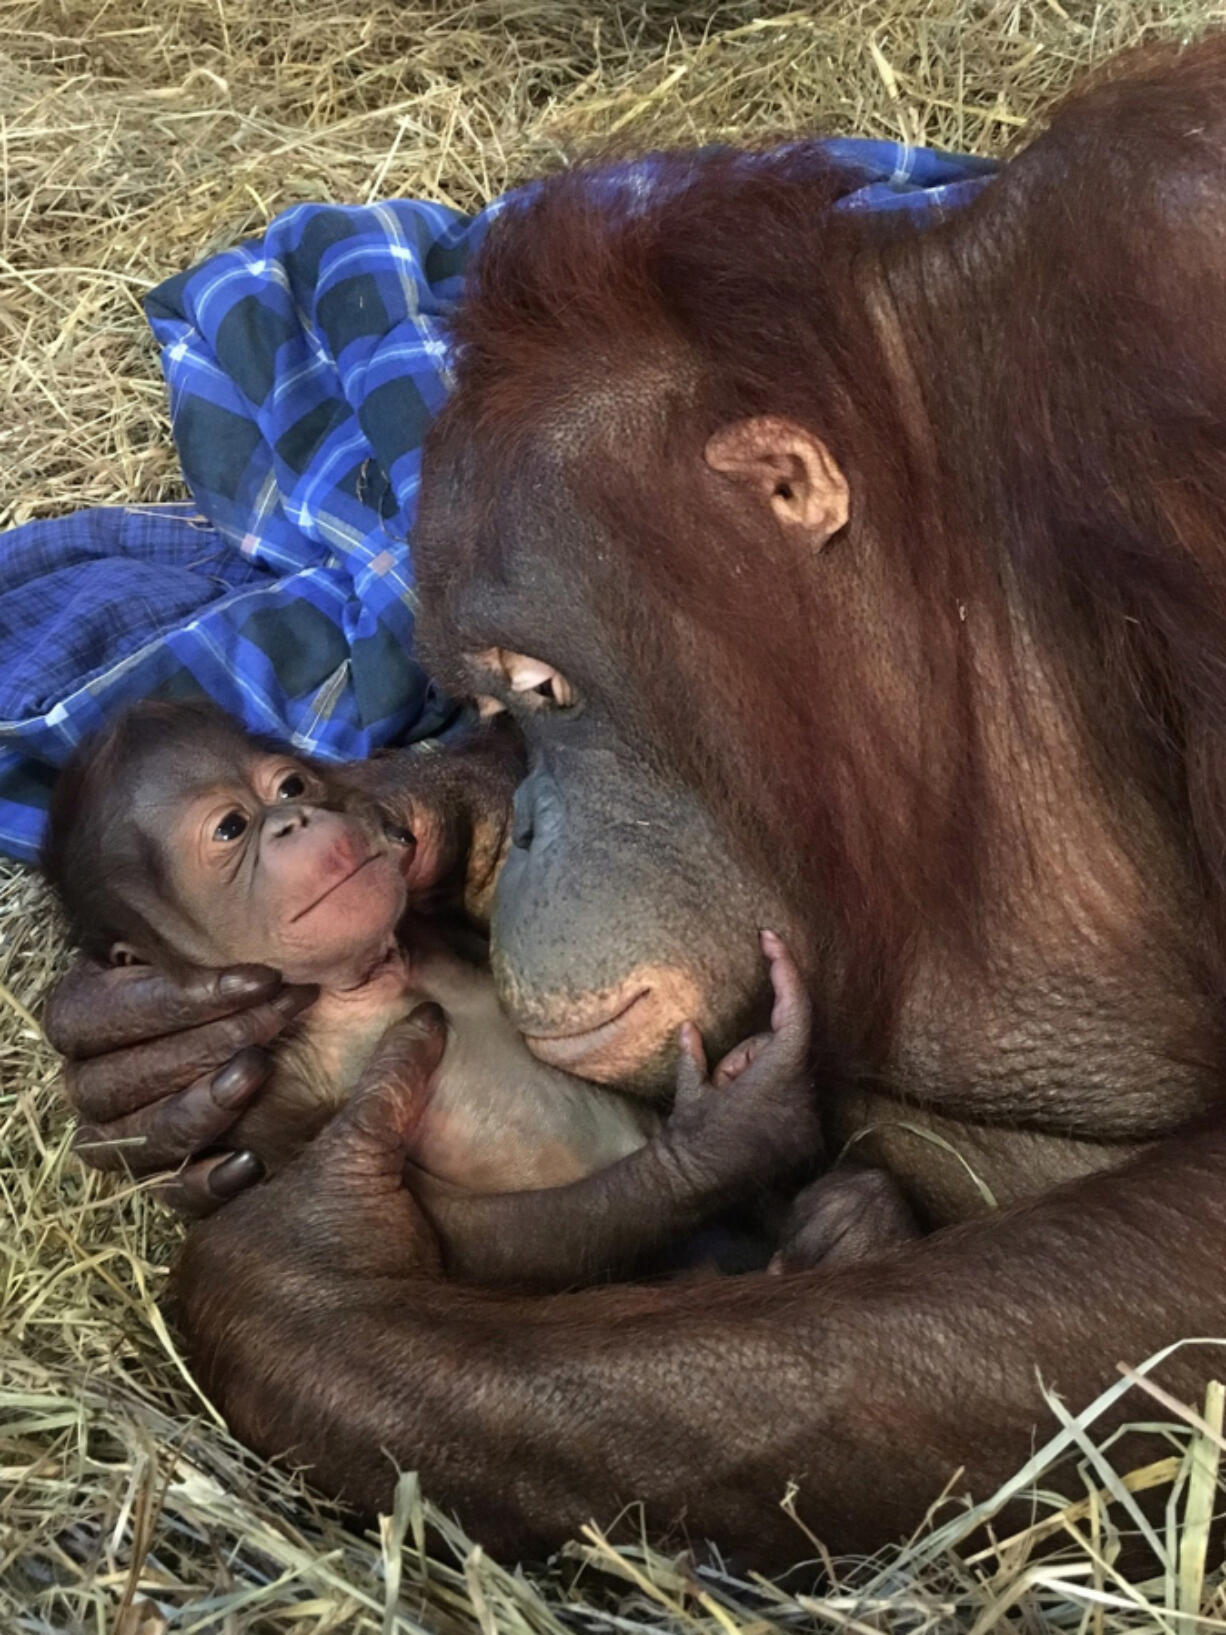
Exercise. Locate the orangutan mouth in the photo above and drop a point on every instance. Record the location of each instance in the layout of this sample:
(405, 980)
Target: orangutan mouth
(571, 1050)
(335, 886)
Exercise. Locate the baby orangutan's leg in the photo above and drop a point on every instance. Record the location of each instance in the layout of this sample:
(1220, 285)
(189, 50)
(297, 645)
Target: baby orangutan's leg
(850, 1214)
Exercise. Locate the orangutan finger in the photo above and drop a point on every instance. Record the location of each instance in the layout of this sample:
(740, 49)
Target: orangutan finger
(691, 1064)
(372, 1137)
(792, 1013)
(100, 1008)
(169, 1131)
(201, 1188)
(124, 1082)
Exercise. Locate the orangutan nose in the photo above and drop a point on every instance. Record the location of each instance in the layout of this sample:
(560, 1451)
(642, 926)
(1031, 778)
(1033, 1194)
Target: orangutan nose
(279, 824)
(536, 815)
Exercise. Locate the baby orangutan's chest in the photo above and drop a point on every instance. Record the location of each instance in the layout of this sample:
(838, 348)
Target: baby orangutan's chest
(493, 1120)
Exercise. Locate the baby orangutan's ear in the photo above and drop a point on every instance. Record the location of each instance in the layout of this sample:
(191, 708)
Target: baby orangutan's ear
(123, 953)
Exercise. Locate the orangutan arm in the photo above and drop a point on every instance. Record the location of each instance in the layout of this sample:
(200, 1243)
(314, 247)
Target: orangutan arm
(553, 1238)
(316, 1317)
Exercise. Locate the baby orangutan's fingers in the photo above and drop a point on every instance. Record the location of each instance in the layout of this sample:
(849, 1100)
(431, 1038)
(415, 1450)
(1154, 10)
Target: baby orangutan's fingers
(758, 1119)
(739, 1058)
(792, 1013)
(174, 1129)
(99, 1008)
(204, 1186)
(368, 1145)
(691, 1065)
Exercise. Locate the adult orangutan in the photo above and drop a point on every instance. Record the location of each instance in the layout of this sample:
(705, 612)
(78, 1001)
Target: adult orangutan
(871, 582)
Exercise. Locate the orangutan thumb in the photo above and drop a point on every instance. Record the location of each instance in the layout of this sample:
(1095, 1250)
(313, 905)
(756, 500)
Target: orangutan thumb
(376, 1130)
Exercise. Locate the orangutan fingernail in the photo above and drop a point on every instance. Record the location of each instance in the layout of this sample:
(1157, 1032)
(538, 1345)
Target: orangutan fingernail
(294, 999)
(245, 980)
(239, 1077)
(235, 1175)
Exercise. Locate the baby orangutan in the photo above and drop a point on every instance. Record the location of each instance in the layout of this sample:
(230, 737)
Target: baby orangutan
(177, 838)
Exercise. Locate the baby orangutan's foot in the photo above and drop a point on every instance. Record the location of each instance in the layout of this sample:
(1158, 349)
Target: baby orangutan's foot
(849, 1214)
(754, 1119)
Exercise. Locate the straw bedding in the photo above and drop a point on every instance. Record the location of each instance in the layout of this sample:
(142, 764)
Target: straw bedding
(135, 136)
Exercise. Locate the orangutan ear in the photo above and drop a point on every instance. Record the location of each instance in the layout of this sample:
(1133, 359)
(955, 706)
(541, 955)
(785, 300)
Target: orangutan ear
(123, 953)
(792, 470)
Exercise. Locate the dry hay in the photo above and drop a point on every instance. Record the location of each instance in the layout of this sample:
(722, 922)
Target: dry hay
(136, 135)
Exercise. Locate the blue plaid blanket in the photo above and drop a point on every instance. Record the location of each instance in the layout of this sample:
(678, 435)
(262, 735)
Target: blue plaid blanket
(304, 369)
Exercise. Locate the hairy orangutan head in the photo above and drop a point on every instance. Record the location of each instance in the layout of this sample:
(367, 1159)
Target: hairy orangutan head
(624, 524)
(176, 836)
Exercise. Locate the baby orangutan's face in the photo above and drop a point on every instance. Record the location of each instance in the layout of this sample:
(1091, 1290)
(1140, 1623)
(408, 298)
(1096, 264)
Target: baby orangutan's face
(258, 868)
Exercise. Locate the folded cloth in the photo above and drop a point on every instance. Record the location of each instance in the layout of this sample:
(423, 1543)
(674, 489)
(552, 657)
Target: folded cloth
(304, 369)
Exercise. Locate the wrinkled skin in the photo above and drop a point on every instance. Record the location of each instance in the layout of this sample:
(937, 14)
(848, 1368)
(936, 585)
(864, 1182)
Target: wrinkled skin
(259, 866)
(959, 741)
(621, 911)
(149, 1107)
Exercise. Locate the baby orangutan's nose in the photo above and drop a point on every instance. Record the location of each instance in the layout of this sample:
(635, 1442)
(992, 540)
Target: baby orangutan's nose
(279, 824)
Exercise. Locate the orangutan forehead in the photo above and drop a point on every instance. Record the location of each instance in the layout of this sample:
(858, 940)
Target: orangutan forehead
(184, 771)
(562, 406)
(172, 780)
(615, 409)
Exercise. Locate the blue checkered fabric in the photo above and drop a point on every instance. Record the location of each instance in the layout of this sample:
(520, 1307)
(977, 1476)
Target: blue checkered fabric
(304, 369)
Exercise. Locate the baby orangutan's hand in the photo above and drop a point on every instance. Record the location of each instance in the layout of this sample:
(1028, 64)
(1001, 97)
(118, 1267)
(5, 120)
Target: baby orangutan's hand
(755, 1116)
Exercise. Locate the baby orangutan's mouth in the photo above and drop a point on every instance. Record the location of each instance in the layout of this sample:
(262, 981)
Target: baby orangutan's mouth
(421, 859)
(335, 886)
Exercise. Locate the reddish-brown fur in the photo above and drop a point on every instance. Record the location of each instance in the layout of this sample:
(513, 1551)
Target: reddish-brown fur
(974, 750)
(1108, 512)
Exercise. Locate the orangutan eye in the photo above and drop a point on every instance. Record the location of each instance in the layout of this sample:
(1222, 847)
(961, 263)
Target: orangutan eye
(528, 678)
(533, 676)
(291, 788)
(556, 689)
(232, 827)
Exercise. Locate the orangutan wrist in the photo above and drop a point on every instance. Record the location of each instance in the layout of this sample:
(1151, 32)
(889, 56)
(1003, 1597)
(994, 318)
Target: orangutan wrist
(697, 1172)
(729, 1146)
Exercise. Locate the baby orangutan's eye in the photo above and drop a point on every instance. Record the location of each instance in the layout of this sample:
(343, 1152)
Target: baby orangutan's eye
(232, 827)
(292, 787)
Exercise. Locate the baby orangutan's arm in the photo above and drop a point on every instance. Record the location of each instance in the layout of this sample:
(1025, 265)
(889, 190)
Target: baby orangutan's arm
(727, 1136)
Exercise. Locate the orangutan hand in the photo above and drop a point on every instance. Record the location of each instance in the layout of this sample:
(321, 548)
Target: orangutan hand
(756, 1116)
(340, 1211)
(158, 1070)
(455, 805)
(852, 1213)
